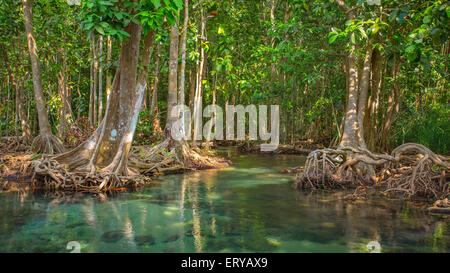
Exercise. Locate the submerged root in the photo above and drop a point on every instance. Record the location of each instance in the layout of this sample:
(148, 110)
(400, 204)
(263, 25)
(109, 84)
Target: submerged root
(51, 175)
(47, 144)
(412, 170)
(171, 157)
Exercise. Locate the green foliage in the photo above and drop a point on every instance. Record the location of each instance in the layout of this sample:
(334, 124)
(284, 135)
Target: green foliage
(295, 59)
(430, 127)
(144, 128)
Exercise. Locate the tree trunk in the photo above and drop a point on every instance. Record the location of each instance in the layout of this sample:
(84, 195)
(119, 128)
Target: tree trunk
(146, 55)
(353, 137)
(95, 70)
(157, 131)
(181, 77)
(198, 97)
(192, 85)
(364, 88)
(100, 79)
(108, 73)
(46, 142)
(272, 43)
(108, 148)
(392, 109)
(172, 89)
(62, 110)
(370, 120)
(349, 137)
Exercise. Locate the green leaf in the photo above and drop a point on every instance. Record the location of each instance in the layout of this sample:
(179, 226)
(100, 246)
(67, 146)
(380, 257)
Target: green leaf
(156, 3)
(332, 39)
(118, 15)
(100, 30)
(393, 15)
(179, 3)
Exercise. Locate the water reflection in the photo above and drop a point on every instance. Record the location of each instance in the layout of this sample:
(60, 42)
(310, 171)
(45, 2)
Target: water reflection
(249, 207)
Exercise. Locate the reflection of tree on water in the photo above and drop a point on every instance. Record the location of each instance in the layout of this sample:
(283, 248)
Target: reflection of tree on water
(195, 213)
(396, 226)
(182, 219)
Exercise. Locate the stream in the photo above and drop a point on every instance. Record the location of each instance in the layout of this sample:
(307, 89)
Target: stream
(248, 207)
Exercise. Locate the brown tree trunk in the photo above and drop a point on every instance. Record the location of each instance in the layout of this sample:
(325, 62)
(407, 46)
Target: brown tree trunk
(192, 85)
(181, 77)
(46, 142)
(146, 55)
(349, 137)
(353, 137)
(363, 94)
(100, 79)
(157, 131)
(95, 70)
(108, 73)
(172, 89)
(62, 110)
(108, 148)
(370, 120)
(198, 97)
(394, 100)
(91, 89)
(272, 43)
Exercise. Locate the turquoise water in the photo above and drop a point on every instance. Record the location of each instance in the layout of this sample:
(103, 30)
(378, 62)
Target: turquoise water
(249, 207)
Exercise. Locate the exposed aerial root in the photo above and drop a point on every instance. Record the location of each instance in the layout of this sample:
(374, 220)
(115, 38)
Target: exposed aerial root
(47, 144)
(171, 157)
(333, 168)
(412, 170)
(417, 171)
(51, 175)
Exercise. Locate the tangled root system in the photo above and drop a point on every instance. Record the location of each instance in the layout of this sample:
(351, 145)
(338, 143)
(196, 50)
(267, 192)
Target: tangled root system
(47, 144)
(417, 171)
(15, 164)
(51, 175)
(14, 144)
(171, 157)
(412, 170)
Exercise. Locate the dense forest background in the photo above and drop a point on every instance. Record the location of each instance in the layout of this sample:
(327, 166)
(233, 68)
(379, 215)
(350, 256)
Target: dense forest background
(294, 53)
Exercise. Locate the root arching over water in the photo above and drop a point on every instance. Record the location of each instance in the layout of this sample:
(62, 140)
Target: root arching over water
(412, 170)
